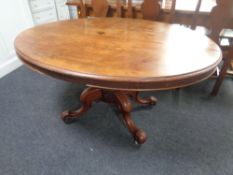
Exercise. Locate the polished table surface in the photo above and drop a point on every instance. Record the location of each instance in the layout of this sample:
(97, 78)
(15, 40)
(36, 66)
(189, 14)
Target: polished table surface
(118, 57)
(120, 53)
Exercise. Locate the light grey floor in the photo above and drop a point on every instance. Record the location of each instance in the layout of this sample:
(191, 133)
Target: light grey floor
(189, 132)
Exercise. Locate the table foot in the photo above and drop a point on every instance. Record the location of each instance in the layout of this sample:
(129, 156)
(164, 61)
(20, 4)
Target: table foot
(87, 97)
(119, 98)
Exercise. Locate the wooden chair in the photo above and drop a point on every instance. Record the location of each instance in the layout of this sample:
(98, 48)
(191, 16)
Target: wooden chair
(228, 58)
(151, 10)
(82, 10)
(195, 15)
(221, 17)
(100, 8)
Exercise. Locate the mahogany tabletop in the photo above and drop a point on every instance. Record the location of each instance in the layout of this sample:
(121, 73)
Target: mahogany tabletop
(117, 53)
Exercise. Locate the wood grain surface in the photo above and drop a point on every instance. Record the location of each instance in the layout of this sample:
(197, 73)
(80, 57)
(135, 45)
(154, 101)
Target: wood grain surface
(116, 53)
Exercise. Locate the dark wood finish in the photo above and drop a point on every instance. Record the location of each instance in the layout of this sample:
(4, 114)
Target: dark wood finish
(148, 101)
(223, 72)
(221, 17)
(116, 57)
(120, 98)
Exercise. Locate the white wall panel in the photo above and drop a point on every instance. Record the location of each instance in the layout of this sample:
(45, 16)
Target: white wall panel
(4, 52)
(14, 18)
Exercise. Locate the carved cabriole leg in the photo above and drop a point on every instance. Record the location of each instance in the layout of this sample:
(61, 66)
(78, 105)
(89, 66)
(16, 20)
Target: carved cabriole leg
(148, 101)
(88, 96)
(119, 98)
(126, 108)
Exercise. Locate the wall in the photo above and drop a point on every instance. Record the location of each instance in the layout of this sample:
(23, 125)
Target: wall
(14, 17)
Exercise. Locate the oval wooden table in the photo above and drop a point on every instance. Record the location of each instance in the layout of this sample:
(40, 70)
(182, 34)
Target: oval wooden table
(117, 58)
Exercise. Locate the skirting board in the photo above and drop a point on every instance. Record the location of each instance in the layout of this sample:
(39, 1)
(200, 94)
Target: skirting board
(9, 66)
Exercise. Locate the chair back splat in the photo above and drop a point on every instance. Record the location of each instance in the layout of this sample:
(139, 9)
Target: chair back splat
(151, 9)
(100, 8)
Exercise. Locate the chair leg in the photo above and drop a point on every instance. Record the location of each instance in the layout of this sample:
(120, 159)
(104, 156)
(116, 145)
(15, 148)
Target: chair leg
(221, 77)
